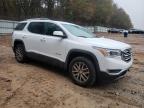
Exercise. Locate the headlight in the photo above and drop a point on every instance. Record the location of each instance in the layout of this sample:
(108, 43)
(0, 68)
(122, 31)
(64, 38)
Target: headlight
(114, 52)
(109, 52)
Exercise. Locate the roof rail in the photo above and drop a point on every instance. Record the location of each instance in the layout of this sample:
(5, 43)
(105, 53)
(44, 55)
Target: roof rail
(38, 19)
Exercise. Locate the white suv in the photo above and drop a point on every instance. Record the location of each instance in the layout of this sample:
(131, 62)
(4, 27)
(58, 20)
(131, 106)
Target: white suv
(71, 46)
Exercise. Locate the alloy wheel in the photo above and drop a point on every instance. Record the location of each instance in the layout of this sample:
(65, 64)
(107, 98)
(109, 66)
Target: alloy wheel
(80, 72)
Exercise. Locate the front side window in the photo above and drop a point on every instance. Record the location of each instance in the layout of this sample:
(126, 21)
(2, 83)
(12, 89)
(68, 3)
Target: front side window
(20, 26)
(78, 31)
(36, 27)
(50, 28)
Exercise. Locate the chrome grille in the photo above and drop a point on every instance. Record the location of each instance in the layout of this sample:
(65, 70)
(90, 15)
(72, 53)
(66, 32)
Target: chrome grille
(126, 55)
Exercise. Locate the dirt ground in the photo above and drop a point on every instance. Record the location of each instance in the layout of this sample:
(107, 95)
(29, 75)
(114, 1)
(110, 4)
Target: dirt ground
(38, 85)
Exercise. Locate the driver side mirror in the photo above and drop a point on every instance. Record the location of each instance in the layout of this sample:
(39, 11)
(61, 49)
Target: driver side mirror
(59, 34)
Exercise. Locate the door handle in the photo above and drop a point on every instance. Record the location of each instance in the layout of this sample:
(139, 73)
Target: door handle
(24, 37)
(43, 40)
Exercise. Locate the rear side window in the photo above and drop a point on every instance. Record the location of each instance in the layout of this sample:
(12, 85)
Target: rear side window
(20, 26)
(36, 27)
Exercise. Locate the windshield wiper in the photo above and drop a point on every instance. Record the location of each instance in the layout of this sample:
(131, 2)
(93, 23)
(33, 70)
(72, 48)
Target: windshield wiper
(83, 36)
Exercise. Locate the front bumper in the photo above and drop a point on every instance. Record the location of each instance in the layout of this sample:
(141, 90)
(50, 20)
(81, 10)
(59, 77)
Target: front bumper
(115, 68)
(104, 75)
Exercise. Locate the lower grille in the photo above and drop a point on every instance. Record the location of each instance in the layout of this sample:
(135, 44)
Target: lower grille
(114, 71)
(126, 55)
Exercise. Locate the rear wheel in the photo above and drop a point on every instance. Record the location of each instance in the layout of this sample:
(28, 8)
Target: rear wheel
(82, 71)
(20, 53)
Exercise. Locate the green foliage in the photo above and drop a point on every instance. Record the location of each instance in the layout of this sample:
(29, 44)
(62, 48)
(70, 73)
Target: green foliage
(103, 12)
(120, 19)
(80, 11)
(84, 12)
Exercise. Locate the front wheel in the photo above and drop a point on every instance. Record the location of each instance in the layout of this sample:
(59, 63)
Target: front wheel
(82, 71)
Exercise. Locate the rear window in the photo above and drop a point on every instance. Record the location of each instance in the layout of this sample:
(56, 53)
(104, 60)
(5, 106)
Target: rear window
(20, 26)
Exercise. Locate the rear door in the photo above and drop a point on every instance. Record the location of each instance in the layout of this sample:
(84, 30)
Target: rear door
(35, 37)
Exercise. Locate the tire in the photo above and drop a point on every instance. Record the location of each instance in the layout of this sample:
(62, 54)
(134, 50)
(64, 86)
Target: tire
(82, 71)
(20, 53)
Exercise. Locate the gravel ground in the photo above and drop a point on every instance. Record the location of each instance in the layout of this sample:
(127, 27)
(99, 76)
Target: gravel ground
(38, 85)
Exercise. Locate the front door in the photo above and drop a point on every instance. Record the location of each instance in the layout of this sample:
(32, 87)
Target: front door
(54, 46)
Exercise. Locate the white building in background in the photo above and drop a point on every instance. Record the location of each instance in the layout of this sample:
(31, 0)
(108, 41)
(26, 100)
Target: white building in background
(7, 26)
(97, 28)
(101, 29)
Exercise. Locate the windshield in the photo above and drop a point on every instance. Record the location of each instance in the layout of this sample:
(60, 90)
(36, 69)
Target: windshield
(79, 31)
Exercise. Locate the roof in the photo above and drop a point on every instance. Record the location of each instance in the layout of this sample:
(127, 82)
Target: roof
(45, 20)
(38, 19)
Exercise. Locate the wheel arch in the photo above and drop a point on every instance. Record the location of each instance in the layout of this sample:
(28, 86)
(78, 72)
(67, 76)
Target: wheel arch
(16, 42)
(78, 52)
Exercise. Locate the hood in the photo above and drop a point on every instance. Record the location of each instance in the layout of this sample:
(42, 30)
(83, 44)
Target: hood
(105, 43)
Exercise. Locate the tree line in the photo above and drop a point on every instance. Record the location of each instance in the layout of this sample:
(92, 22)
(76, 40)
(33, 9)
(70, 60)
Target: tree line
(83, 12)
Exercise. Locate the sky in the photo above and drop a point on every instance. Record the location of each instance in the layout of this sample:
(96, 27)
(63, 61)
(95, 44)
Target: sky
(135, 9)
